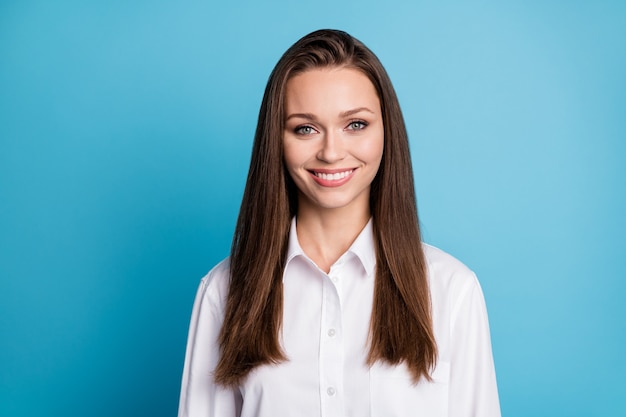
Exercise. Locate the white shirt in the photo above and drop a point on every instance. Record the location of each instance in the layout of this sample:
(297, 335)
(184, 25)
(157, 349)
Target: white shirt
(324, 335)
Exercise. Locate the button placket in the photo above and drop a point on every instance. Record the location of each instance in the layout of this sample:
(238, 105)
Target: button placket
(331, 348)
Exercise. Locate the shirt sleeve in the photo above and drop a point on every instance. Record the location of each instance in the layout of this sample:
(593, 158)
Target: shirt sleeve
(200, 396)
(473, 389)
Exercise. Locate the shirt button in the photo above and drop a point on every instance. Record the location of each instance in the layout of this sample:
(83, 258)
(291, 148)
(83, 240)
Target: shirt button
(334, 279)
(332, 332)
(330, 391)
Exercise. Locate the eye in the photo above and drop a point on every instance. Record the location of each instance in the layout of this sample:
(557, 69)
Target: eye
(357, 125)
(304, 130)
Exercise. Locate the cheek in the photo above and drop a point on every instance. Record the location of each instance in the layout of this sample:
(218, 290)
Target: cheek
(290, 156)
(296, 153)
(293, 160)
(372, 150)
(378, 149)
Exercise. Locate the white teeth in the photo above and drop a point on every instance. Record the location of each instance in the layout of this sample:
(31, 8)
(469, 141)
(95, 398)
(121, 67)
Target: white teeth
(333, 177)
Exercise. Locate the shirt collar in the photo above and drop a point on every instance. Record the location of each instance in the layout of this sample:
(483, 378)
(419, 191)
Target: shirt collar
(362, 247)
(293, 248)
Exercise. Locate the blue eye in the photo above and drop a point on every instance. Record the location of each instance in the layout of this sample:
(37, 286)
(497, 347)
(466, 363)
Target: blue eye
(357, 125)
(304, 130)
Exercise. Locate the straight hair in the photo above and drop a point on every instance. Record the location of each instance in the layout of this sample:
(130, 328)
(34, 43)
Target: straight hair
(401, 328)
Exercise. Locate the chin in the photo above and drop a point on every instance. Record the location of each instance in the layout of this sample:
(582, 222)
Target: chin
(334, 204)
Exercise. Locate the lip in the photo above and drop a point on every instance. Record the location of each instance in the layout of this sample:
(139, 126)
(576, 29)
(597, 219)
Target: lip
(332, 177)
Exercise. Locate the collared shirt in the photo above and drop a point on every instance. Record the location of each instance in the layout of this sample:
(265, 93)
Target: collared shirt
(326, 320)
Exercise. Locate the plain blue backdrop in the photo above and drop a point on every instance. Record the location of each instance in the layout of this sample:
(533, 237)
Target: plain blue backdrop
(125, 136)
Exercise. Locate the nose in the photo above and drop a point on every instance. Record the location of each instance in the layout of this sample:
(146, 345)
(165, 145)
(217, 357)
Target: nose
(332, 148)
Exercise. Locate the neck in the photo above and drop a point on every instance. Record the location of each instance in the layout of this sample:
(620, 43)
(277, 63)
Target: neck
(325, 235)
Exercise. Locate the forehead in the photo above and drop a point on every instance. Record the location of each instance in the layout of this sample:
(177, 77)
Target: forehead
(327, 89)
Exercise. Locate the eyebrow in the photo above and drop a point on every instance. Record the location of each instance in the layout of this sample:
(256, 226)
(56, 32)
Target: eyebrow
(346, 113)
(355, 111)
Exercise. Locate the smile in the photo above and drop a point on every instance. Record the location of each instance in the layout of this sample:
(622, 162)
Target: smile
(335, 176)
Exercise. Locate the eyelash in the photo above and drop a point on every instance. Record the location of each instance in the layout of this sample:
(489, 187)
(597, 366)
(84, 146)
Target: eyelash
(298, 130)
(363, 124)
(351, 126)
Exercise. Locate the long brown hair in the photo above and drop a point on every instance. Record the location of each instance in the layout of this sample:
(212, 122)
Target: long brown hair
(401, 325)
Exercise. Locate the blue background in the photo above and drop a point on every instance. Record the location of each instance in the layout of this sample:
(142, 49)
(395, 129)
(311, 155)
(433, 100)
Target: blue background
(125, 136)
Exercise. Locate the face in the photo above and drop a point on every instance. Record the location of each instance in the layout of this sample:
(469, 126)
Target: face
(333, 139)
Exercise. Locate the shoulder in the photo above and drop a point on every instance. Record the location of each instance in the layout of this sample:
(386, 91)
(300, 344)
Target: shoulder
(455, 293)
(214, 285)
(443, 263)
(447, 274)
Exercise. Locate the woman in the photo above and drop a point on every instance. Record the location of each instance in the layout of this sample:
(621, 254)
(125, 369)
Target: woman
(329, 304)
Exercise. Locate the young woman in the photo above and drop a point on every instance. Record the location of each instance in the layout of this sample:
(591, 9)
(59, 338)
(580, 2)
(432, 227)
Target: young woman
(329, 304)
